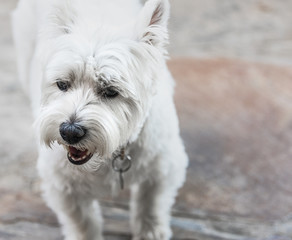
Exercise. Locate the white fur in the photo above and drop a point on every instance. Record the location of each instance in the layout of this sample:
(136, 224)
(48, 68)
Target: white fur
(93, 44)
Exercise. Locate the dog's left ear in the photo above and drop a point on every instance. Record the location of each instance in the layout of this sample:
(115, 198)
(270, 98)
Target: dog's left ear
(152, 23)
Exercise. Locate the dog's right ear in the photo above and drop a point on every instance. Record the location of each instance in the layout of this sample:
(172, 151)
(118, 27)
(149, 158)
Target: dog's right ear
(63, 18)
(151, 26)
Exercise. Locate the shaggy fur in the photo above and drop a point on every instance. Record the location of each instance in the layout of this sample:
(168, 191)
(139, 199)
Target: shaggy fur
(91, 46)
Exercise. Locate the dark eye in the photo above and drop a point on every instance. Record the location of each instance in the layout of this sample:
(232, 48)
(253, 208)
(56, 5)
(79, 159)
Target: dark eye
(110, 92)
(63, 85)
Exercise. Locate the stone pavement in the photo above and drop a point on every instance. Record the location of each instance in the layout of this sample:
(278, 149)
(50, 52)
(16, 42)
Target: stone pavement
(232, 60)
(251, 29)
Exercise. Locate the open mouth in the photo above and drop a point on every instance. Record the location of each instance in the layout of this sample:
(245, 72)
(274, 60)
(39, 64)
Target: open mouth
(78, 157)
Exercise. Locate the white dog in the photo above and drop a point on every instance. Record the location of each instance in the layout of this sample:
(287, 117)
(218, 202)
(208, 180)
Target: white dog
(102, 97)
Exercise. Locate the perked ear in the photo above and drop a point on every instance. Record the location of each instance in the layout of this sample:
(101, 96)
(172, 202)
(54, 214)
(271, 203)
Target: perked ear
(63, 17)
(152, 23)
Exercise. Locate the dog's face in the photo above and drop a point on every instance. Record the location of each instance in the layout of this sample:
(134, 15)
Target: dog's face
(97, 93)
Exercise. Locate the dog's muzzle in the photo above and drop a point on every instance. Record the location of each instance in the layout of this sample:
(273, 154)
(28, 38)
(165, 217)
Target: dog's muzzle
(73, 133)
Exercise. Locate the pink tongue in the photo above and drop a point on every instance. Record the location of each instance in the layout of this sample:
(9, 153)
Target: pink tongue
(77, 153)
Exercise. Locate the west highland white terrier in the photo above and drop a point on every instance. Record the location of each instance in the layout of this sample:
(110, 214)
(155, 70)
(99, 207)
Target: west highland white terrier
(102, 97)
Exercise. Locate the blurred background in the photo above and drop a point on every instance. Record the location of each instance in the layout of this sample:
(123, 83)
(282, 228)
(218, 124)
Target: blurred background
(232, 62)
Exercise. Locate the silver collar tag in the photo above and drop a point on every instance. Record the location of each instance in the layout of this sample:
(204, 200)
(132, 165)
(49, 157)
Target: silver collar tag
(121, 163)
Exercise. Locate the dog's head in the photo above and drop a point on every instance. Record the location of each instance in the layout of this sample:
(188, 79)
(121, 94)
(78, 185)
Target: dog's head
(98, 87)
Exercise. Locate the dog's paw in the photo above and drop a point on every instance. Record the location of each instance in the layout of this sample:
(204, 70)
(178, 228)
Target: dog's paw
(153, 233)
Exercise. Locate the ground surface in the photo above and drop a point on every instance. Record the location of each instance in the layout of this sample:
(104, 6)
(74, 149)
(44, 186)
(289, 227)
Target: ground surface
(232, 61)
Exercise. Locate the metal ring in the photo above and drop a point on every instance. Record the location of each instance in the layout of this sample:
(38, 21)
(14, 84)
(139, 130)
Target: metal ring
(127, 158)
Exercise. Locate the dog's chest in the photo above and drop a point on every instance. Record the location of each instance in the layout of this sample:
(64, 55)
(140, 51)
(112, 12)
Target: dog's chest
(108, 180)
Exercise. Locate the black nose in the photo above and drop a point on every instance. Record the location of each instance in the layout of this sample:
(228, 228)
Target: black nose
(71, 132)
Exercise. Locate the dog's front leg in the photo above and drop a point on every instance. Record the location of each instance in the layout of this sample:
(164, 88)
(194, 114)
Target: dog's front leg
(150, 210)
(80, 218)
